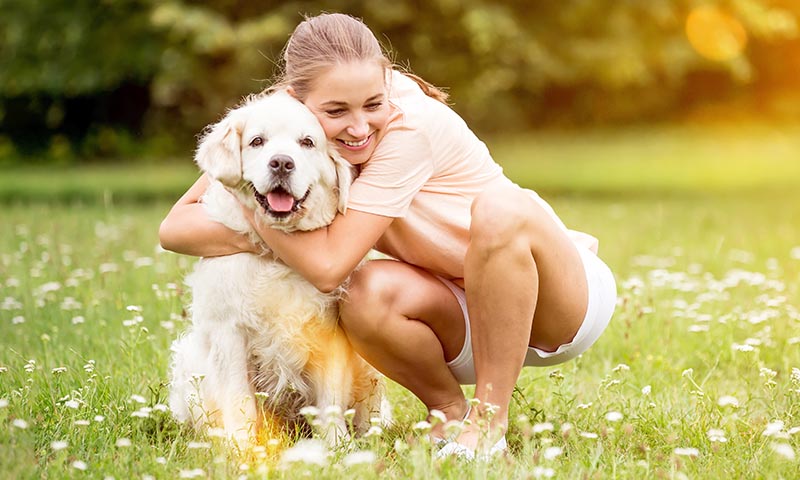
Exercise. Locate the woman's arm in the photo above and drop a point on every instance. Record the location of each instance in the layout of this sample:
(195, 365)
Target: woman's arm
(326, 256)
(188, 230)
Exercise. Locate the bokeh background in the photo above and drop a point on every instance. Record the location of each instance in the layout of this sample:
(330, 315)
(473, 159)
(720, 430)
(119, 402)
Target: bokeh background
(119, 80)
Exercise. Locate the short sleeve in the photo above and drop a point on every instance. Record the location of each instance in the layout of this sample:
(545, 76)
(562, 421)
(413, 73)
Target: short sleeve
(400, 166)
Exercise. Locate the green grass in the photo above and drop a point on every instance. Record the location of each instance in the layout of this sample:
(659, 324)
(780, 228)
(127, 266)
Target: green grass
(700, 275)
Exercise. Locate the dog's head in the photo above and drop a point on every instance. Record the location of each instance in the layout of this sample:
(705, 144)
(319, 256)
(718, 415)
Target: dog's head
(271, 152)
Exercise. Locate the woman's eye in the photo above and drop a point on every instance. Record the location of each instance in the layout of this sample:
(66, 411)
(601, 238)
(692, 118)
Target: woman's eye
(307, 142)
(374, 106)
(335, 113)
(257, 142)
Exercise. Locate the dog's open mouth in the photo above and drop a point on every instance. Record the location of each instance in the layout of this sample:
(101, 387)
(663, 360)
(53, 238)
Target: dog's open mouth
(278, 202)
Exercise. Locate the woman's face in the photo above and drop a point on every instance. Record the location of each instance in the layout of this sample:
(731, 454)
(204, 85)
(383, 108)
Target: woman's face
(350, 101)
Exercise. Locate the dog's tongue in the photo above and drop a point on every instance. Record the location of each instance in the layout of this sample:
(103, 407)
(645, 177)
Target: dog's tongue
(280, 201)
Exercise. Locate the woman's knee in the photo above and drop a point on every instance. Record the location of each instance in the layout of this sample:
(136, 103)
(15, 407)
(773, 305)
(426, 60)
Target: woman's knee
(504, 216)
(369, 299)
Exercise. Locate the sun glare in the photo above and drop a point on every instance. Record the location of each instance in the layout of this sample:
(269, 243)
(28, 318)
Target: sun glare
(715, 34)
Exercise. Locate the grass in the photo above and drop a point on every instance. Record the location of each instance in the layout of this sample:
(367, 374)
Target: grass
(709, 312)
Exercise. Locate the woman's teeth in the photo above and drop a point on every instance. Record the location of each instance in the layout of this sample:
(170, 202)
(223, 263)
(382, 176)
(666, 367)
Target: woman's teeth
(355, 144)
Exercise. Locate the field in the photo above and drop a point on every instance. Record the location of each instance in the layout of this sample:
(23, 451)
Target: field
(698, 375)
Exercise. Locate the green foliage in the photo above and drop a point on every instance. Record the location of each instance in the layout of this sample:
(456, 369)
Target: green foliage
(65, 49)
(507, 64)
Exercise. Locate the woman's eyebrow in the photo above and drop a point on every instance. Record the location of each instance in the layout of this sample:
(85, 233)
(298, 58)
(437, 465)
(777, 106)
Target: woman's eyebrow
(339, 103)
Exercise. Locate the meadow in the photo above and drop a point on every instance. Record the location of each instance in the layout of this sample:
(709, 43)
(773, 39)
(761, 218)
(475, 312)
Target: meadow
(698, 375)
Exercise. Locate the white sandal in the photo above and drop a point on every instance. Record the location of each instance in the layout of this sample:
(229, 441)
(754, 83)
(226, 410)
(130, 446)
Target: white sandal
(455, 449)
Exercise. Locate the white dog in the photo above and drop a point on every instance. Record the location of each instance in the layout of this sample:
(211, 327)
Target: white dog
(258, 326)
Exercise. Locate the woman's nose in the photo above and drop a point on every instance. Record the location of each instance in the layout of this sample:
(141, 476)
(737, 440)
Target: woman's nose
(359, 127)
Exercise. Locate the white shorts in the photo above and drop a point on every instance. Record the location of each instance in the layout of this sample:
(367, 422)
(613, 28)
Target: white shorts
(602, 300)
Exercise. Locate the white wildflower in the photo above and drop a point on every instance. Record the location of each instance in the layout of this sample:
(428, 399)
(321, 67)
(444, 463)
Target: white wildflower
(743, 348)
(359, 458)
(138, 399)
(198, 445)
(161, 460)
(74, 404)
(716, 435)
(646, 390)
(614, 416)
(542, 472)
(686, 452)
(588, 435)
(784, 450)
(438, 415)
(374, 431)
(621, 368)
(583, 406)
(309, 411)
(123, 442)
(194, 473)
(422, 426)
(3, 402)
(59, 445)
(551, 453)
(98, 418)
(543, 427)
(728, 401)
(773, 428)
(79, 465)
(18, 319)
(77, 320)
(81, 423)
(143, 262)
(308, 451)
(20, 423)
(58, 370)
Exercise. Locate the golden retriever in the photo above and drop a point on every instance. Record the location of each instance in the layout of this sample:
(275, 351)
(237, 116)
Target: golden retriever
(258, 326)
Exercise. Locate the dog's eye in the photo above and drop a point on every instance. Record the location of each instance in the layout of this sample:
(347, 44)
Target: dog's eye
(307, 142)
(257, 142)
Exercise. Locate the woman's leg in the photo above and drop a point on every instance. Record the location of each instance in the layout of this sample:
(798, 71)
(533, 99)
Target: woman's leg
(407, 324)
(525, 285)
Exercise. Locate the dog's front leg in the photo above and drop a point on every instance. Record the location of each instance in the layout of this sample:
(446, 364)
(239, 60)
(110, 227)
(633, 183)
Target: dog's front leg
(229, 383)
(333, 385)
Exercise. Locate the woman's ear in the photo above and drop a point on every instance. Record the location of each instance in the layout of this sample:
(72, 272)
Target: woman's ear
(292, 93)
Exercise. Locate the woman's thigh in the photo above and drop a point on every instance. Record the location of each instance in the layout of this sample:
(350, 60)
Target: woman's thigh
(403, 291)
(511, 216)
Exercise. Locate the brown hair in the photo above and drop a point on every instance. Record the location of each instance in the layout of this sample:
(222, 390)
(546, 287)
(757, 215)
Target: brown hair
(325, 40)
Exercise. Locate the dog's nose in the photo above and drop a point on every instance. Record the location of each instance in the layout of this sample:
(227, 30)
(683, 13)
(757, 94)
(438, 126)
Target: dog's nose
(281, 164)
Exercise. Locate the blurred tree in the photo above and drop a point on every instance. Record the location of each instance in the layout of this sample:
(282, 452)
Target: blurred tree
(65, 65)
(505, 62)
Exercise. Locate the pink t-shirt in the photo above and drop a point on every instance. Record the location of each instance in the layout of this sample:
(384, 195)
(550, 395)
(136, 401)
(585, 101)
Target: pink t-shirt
(425, 172)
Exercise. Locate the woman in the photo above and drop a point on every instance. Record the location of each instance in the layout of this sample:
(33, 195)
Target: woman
(487, 278)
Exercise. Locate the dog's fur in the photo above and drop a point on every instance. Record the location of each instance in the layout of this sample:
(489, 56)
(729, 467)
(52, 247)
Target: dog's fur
(258, 326)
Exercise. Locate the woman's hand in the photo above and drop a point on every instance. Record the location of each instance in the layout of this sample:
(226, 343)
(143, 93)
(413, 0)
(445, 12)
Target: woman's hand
(188, 230)
(326, 256)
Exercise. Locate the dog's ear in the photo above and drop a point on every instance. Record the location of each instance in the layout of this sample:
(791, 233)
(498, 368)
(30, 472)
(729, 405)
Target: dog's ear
(220, 151)
(345, 173)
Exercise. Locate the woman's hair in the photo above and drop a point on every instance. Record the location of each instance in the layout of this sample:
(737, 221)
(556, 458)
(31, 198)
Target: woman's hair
(321, 42)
